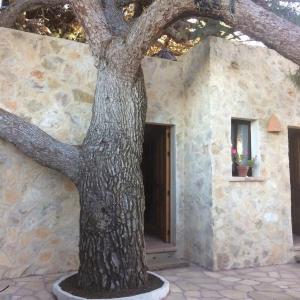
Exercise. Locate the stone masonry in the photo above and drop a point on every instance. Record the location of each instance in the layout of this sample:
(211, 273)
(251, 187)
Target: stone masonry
(217, 222)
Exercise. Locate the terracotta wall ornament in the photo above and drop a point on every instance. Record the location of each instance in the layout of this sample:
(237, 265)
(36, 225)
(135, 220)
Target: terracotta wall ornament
(274, 124)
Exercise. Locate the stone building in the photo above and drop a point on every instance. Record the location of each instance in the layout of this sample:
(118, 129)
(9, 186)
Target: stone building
(218, 94)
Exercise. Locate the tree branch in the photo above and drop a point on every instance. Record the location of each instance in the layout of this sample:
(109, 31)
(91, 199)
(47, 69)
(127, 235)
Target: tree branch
(265, 26)
(178, 31)
(115, 18)
(90, 14)
(9, 15)
(153, 20)
(38, 145)
(261, 3)
(253, 20)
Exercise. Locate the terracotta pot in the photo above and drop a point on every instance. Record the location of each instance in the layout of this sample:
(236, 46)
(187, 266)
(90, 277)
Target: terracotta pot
(242, 171)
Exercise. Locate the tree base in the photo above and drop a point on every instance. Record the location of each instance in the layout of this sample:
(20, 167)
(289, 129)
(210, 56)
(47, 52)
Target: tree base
(157, 289)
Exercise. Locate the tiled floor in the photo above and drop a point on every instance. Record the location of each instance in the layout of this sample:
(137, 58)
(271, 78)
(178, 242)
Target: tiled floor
(265, 283)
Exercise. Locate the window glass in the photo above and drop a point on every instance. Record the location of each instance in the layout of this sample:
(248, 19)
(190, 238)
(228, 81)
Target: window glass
(241, 141)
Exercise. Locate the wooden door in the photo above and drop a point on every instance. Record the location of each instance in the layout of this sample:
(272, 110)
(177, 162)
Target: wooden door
(156, 174)
(165, 203)
(294, 157)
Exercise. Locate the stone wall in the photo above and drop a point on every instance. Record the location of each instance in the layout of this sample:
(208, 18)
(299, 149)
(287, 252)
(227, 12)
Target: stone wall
(51, 82)
(229, 223)
(216, 222)
(166, 95)
(198, 170)
(252, 220)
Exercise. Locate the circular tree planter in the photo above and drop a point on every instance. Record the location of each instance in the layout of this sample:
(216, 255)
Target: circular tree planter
(157, 294)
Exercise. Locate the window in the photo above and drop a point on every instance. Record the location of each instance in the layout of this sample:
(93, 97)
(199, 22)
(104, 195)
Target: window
(241, 142)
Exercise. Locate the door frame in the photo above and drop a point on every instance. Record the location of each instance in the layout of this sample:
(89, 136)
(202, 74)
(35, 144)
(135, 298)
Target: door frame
(172, 178)
(296, 131)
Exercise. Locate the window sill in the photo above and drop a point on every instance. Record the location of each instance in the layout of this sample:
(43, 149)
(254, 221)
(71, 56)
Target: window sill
(246, 179)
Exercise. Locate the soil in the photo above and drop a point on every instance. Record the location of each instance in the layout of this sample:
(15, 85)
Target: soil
(70, 285)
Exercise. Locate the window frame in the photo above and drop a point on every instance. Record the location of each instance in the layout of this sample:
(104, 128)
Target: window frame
(235, 122)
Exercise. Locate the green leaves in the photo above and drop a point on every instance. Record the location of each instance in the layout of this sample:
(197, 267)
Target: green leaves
(289, 10)
(296, 78)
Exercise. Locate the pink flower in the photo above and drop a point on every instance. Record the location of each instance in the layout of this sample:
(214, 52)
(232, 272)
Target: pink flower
(233, 151)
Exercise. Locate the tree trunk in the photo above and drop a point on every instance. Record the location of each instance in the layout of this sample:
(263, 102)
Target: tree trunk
(111, 247)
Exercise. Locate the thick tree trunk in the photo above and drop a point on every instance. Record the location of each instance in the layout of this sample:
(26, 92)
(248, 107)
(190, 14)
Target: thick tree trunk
(111, 187)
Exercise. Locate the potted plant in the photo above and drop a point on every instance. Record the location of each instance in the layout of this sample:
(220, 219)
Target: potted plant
(242, 162)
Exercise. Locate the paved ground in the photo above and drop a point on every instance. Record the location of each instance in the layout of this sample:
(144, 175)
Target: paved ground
(265, 283)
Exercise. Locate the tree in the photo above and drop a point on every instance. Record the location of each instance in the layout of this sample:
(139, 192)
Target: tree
(288, 9)
(106, 167)
(179, 37)
(60, 21)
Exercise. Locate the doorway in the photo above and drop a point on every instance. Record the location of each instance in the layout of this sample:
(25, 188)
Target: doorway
(156, 167)
(294, 160)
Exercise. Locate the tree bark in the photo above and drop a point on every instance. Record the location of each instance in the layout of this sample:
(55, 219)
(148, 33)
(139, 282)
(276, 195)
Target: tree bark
(113, 13)
(248, 17)
(90, 14)
(111, 247)
(263, 25)
(38, 145)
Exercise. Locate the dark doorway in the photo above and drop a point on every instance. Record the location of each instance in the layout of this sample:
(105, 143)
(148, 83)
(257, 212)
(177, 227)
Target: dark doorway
(294, 157)
(156, 174)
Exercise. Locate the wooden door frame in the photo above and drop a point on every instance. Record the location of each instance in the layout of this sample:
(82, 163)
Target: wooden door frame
(292, 131)
(172, 179)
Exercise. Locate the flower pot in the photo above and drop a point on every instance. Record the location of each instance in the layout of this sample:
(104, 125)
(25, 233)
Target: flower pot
(242, 171)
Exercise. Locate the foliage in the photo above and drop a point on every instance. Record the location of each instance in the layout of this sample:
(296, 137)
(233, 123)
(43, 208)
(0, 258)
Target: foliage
(241, 159)
(179, 37)
(251, 162)
(296, 78)
(289, 10)
(215, 4)
(56, 21)
(187, 33)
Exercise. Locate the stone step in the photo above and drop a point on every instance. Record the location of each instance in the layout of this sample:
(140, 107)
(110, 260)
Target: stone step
(162, 260)
(160, 255)
(297, 247)
(169, 248)
(163, 256)
(164, 264)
